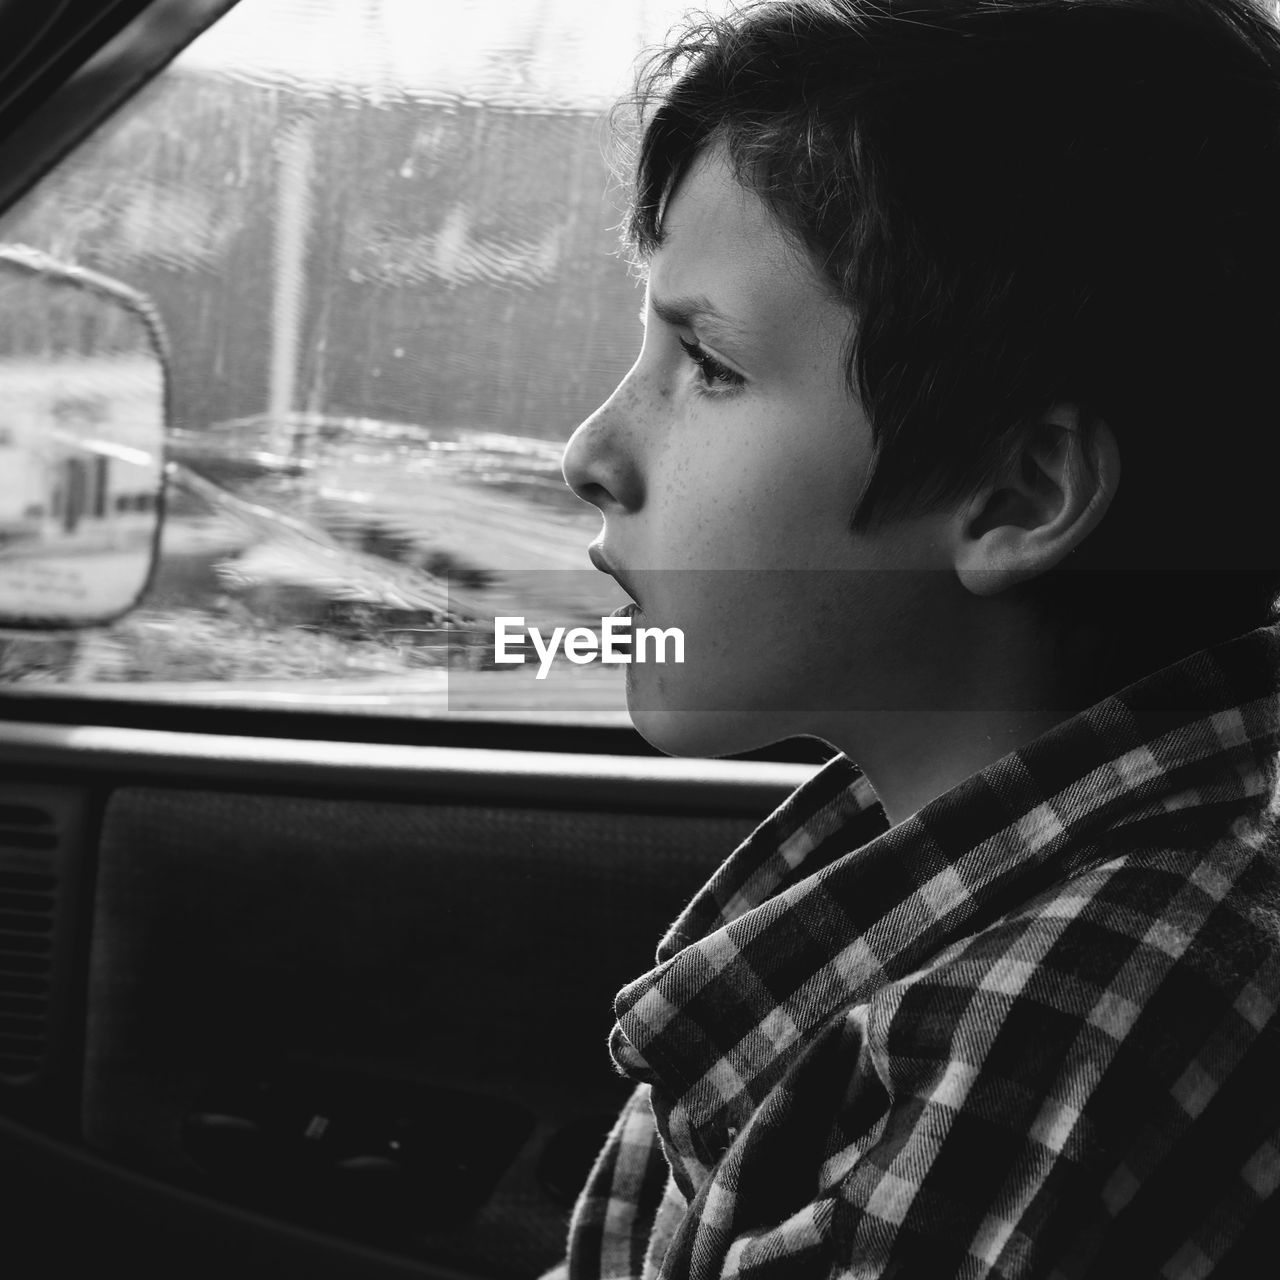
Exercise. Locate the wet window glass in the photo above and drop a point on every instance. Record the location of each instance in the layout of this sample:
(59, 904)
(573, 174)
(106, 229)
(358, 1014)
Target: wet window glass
(381, 238)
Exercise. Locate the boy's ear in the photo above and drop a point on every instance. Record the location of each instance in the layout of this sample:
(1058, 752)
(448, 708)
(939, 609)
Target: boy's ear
(1042, 507)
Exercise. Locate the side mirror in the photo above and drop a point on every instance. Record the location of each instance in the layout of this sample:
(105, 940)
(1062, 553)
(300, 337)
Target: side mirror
(84, 400)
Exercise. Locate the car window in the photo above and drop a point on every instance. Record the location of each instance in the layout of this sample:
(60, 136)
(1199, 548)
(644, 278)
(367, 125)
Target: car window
(382, 239)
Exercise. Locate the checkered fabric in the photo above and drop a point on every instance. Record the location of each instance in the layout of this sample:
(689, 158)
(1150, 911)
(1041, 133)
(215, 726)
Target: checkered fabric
(1029, 1031)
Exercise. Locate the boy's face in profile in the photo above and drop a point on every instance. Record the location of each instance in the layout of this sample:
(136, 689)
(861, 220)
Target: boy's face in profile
(727, 465)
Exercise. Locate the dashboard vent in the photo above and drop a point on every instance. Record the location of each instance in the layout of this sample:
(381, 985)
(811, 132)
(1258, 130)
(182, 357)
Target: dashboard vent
(30, 845)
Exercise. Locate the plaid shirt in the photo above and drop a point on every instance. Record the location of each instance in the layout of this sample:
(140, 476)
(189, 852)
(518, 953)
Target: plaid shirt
(1029, 1031)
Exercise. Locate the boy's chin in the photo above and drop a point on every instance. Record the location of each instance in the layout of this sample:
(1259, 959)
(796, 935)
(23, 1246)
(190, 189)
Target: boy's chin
(678, 732)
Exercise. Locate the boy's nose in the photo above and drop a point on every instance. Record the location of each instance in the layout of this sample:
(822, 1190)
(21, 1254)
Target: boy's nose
(599, 461)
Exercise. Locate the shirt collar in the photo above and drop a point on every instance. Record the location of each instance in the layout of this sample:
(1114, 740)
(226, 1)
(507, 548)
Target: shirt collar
(823, 904)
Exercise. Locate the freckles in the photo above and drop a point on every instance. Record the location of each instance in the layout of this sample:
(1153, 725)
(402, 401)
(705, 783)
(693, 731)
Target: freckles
(630, 398)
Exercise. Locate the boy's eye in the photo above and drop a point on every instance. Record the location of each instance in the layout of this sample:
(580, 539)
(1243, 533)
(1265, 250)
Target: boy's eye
(714, 374)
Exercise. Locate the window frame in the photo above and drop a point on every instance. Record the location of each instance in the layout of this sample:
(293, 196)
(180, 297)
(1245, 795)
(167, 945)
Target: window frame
(90, 58)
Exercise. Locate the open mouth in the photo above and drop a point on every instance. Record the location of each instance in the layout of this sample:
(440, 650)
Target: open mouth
(601, 562)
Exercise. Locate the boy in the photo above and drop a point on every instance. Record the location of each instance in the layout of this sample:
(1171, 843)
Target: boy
(945, 445)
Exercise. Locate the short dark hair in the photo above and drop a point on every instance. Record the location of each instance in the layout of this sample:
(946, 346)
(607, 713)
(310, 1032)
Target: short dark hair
(1023, 202)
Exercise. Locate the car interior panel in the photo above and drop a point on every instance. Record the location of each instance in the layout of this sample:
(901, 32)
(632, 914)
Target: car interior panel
(377, 1012)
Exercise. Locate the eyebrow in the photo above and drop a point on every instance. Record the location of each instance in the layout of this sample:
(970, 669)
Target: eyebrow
(698, 311)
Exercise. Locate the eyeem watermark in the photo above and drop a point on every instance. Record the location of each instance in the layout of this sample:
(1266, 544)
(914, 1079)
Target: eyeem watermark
(614, 644)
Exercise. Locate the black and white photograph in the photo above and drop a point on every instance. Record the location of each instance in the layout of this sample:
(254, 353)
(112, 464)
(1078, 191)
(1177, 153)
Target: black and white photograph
(640, 639)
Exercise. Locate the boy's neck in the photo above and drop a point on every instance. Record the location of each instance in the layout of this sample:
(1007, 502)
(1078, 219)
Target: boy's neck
(920, 755)
(1004, 690)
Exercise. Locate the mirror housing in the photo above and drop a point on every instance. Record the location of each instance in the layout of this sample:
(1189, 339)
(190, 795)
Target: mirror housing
(84, 407)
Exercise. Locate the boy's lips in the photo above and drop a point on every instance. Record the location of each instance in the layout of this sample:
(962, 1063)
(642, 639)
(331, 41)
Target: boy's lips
(601, 562)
